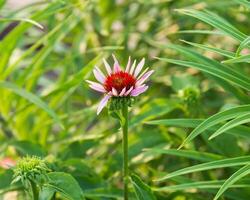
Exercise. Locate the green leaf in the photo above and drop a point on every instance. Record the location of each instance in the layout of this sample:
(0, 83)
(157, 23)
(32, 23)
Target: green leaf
(184, 81)
(192, 55)
(142, 191)
(242, 131)
(201, 32)
(243, 44)
(46, 193)
(233, 90)
(11, 40)
(2, 2)
(218, 72)
(33, 22)
(242, 119)
(229, 162)
(28, 148)
(65, 184)
(117, 115)
(75, 79)
(6, 178)
(212, 49)
(240, 59)
(195, 155)
(215, 119)
(244, 171)
(199, 185)
(152, 109)
(243, 2)
(31, 98)
(104, 193)
(215, 21)
(211, 66)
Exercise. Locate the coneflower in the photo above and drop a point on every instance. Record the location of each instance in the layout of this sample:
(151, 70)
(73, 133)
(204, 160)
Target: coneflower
(120, 86)
(118, 82)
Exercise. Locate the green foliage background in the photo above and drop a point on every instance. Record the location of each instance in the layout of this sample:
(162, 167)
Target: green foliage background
(200, 53)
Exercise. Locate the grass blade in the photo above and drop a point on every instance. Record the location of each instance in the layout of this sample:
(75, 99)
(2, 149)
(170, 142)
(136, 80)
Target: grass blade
(243, 44)
(240, 59)
(143, 191)
(195, 155)
(215, 119)
(221, 73)
(244, 171)
(31, 98)
(229, 162)
(200, 185)
(212, 49)
(215, 21)
(245, 118)
(33, 22)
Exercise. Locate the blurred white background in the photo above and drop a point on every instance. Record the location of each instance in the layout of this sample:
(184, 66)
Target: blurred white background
(17, 4)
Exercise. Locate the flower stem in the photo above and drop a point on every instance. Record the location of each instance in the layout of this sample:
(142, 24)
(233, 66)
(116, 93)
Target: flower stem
(34, 190)
(125, 150)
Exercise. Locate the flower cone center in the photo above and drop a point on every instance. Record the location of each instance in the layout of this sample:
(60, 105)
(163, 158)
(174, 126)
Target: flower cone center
(119, 80)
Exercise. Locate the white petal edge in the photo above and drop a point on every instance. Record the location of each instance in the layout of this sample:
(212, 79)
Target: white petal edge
(137, 91)
(132, 68)
(114, 92)
(144, 78)
(122, 92)
(97, 89)
(103, 103)
(107, 66)
(128, 92)
(116, 67)
(128, 65)
(96, 86)
(142, 73)
(139, 67)
(99, 75)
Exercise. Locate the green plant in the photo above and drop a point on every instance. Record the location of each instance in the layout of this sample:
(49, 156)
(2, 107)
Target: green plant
(198, 98)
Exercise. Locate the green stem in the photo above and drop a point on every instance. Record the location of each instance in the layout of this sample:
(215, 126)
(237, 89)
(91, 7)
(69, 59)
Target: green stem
(34, 190)
(125, 150)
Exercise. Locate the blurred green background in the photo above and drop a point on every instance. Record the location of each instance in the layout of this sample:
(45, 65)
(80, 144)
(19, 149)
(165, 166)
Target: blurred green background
(49, 48)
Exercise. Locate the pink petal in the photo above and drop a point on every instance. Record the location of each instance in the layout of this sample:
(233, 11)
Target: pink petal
(144, 78)
(99, 75)
(116, 67)
(97, 89)
(132, 68)
(107, 66)
(128, 92)
(135, 92)
(142, 73)
(128, 65)
(139, 67)
(114, 92)
(103, 103)
(96, 86)
(122, 92)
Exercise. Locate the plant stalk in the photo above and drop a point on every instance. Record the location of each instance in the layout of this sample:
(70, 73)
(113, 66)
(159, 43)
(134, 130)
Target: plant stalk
(34, 190)
(125, 150)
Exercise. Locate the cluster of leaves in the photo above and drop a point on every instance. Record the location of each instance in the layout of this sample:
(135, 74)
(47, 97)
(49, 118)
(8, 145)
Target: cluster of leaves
(48, 49)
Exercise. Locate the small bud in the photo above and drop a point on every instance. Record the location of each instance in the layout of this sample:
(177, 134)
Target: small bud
(30, 168)
(191, 96)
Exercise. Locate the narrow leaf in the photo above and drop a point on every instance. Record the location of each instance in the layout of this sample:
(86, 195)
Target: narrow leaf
(143, 191)
(245, 118)
(244, 171)
(229, 162)
(215, 119)
(240, 59)
(31, 98)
